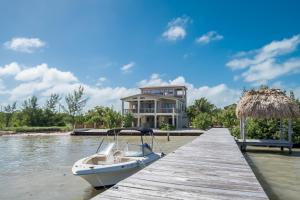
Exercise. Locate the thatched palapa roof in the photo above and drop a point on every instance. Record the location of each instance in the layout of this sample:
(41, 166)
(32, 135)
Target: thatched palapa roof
(267, 103)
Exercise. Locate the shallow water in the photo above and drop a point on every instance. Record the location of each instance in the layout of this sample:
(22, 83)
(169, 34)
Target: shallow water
(39, 167)
(278, 172)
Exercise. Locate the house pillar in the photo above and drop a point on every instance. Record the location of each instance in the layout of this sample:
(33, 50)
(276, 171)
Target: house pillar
(138, 106)
(122, 107)
(155, 111)
(138, 113)
(173, 117)
(173, 120)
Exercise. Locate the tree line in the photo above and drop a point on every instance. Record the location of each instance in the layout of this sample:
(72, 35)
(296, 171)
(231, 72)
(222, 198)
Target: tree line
(202, 114)
(55, 113)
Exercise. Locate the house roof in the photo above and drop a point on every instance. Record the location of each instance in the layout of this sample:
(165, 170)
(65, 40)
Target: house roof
(155, 96)
(165, 86)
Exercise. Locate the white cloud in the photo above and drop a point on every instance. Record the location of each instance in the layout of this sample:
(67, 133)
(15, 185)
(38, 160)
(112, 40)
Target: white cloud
(101, 80)
(128, 67)
(42, 80)
(262, 65)
(221, 95)
(209, 37)
(176, 29)
(35, 79)
(26, 45)
(2, 86)
(10, 69)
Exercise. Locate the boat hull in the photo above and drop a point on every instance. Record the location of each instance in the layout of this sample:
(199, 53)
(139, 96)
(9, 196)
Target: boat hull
(99, 180)
(105, 175)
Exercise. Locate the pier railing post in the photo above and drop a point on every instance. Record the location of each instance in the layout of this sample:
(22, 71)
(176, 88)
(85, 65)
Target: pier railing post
(290, 132)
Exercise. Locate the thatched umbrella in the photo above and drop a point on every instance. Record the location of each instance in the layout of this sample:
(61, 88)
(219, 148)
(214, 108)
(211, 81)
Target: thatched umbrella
(266, 104)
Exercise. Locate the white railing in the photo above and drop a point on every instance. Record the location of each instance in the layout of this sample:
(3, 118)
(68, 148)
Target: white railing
(151, 110)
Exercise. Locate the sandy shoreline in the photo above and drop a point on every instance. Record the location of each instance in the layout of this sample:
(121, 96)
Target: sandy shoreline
(35, 134)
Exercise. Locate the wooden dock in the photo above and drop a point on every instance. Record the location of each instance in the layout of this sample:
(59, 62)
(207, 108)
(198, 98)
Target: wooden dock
(209, 167)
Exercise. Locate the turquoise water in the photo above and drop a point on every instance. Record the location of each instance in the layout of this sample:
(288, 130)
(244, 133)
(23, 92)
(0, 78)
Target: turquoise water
(39, 167)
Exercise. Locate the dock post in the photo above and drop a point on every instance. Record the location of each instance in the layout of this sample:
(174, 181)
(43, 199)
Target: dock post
(290, 132)
(281, 130)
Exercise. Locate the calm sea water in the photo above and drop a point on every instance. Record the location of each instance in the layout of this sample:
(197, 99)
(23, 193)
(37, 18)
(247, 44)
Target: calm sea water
(39, 167)
(278, 172)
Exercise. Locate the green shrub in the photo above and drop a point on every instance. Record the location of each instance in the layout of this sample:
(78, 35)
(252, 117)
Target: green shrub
(26, 129)
(202, 121)
(167, 127)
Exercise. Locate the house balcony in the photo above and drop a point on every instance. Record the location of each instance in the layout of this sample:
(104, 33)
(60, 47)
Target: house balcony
(151, 110)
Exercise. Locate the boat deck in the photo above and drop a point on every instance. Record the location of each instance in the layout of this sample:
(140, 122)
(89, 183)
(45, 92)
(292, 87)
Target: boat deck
(209, 167)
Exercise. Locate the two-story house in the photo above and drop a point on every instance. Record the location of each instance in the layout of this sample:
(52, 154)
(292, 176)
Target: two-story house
(156, 105)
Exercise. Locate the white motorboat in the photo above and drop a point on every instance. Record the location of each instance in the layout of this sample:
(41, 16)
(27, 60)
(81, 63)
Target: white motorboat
(113, 164)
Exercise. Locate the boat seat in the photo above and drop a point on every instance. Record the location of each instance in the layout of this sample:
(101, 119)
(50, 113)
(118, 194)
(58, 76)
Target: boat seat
(95, 160)
(125, 159)
(118, 153)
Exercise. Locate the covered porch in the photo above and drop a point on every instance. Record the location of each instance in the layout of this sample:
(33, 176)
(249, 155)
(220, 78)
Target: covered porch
(155, 121)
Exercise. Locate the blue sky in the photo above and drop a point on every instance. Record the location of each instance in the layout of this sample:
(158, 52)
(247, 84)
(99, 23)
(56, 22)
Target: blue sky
(216, 48)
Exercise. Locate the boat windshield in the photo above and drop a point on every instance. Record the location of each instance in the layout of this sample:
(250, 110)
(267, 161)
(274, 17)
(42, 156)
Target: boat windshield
(106, 148)
(134, 150)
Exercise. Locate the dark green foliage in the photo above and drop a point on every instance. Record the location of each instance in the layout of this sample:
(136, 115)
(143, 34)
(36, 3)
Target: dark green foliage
(31, 112)
(95, 116)
(201, 105)
(127, 120)
(166, 127)
(25, 129)
(296, 126)
(75, 103)
(202, 121)
(31, 115)
(263, 129)
(112, 119)
(8, 113)
(227, 116)
(204, 115)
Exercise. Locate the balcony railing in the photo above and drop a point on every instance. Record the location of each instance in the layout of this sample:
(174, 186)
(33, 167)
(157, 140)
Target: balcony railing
(166, 110)
(127, 111)
(147, 110)
(151, 110)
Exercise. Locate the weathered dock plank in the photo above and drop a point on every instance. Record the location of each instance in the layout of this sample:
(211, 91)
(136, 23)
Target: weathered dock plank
(209, 167)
